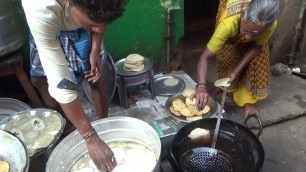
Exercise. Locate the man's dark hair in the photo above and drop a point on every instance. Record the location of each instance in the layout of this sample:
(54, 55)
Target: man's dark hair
(104, 11)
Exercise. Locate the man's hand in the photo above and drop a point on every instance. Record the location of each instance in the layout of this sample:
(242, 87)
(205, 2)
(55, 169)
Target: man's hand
(201, 95)
(100, 153)
(96, 68)
(95, 59)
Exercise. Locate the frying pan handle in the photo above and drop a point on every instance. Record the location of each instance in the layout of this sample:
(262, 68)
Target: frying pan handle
(258, 120)
(175, 165)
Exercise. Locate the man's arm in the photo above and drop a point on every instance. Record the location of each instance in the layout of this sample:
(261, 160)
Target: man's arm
(95, 60)
(75, 112)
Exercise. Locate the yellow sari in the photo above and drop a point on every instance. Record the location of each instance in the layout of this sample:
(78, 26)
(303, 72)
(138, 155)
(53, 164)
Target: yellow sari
(254, 82)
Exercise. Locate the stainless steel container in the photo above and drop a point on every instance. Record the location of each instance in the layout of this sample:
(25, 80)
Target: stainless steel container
(112, 129)
(13, 151)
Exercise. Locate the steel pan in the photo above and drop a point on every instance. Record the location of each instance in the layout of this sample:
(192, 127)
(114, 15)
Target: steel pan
(13, 151)
(214, 107)
(234, 139)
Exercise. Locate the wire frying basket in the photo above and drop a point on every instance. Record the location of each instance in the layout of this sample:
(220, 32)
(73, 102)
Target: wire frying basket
(204, 159)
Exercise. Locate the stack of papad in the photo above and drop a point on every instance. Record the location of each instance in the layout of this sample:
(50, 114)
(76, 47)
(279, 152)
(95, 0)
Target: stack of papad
(187, 109)
(133, 63)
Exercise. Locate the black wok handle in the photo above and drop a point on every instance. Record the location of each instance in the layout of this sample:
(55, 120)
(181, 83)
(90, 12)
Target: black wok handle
(258, 120)
(175, 165)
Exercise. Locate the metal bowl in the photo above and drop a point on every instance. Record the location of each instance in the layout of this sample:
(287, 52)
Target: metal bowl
(112, 129)
(214, 107)
(13, 151)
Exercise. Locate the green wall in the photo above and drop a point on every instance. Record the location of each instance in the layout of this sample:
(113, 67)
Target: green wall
(142, 29)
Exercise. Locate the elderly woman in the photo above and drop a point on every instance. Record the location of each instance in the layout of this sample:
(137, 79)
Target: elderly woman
(67, 43)
(240, 46)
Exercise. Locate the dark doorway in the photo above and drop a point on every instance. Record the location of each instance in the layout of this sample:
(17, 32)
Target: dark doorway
(199, 14)
(199, 26)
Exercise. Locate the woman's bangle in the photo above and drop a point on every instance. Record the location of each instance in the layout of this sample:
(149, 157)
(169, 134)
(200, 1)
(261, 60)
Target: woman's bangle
(201, 85)
(88, 134)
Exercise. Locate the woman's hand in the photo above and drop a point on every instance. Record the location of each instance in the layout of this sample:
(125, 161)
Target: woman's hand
(96, 67)
(201, 95)
(100, 153)
(234, 75)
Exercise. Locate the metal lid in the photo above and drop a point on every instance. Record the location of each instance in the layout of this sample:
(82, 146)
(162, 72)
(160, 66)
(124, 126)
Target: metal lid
(163, 90)
(38, 128)
(9, 106)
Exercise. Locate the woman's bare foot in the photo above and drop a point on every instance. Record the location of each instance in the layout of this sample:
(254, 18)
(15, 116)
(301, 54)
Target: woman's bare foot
(249, 109)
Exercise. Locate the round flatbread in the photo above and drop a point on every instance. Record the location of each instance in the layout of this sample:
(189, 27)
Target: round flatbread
(187, 92)
(177, 113)
(223, 82)
(171, 82)
(205, 110)
(178, 104)
(4, 166)
(188, 101)
(198, 132)
(134, 58)
(186, 112)
(193, 110)
(193, 118)
(133, 69)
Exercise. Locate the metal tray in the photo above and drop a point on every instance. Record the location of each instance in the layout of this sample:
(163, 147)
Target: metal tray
(21, 118)
(148, 64)
(214, 107)
(164, 90)
(9, 106)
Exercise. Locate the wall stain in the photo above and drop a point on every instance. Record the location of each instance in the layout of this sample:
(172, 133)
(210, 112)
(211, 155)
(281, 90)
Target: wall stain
(169, 3)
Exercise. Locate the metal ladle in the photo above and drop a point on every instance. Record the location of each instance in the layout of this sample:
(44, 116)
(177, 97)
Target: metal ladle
(213, 145)
(204, 159)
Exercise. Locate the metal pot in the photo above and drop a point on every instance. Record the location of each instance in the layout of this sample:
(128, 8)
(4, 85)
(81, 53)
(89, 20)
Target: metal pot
(12, 27)
(236, 140)
(13, 151)
(71, 148)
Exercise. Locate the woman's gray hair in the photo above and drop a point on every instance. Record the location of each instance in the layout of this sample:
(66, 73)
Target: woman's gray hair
(262, 12)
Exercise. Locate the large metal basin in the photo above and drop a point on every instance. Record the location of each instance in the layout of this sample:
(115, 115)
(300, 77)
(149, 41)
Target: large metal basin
(13, 151)
(112, 129)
